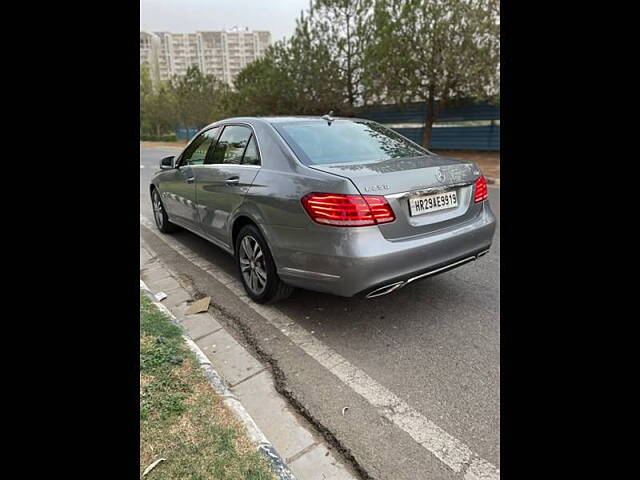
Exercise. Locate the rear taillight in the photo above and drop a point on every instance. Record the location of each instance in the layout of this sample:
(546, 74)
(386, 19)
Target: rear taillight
(481, 189)
(348, 210)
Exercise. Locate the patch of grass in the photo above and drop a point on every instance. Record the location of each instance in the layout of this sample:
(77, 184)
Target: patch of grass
(182, 419)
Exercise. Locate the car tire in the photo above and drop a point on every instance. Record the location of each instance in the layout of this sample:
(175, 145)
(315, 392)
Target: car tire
(257, 269)
(160, 214)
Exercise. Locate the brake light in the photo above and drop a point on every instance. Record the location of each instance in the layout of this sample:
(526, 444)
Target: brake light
(348, 210)
(481, 189)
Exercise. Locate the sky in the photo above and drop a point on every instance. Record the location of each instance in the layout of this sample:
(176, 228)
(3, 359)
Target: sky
(184, 16)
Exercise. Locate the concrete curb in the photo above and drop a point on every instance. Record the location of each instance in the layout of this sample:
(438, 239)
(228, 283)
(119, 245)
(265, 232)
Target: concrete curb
(278, 466)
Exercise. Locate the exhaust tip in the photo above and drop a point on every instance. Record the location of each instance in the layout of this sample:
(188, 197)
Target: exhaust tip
(378, 292)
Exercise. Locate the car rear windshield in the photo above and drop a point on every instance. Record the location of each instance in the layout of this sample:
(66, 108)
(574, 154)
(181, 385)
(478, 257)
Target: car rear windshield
(346, 141)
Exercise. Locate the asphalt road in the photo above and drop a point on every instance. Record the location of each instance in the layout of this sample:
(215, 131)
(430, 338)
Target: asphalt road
(434, 344)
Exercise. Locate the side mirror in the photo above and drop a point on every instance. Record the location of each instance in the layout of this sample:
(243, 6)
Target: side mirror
(167, 163)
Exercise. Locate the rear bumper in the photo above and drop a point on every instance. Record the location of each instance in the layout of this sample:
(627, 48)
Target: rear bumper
(392, 285)
(348, 262)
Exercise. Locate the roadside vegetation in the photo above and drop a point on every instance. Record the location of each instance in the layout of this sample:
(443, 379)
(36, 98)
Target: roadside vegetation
(345, 55)
(182, 419)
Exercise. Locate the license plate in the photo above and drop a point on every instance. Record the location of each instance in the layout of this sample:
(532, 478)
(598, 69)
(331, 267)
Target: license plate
(421, 204)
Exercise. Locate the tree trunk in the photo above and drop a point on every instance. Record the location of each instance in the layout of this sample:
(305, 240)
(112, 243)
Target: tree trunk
(433, 110)
(428, 124)
(349, 79)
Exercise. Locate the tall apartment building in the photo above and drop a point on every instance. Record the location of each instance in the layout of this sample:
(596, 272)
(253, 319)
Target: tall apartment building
(222, 54)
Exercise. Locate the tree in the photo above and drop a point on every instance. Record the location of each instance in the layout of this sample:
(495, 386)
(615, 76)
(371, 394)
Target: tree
(264, 87)
(438, 51)
(319, 69)
(295, 76)
(145, 91)
(160, 110)
(198, 98)
(157, 105)
(192, 100)
(313, 72)
(344, 28)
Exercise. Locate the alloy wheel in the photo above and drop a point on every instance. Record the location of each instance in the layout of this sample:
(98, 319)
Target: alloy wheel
(157, 210)
(252, 266)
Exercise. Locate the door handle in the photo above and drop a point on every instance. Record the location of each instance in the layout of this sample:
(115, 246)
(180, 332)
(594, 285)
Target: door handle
(232, 180)
(191, 179)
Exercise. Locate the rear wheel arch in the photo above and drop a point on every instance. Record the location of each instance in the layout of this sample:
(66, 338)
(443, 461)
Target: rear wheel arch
(240, 222)
(257, 258)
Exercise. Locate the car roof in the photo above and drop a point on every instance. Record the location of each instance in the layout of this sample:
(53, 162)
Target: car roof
(287, 119)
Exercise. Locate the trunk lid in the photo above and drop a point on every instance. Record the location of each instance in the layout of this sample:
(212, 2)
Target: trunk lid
(401, 179)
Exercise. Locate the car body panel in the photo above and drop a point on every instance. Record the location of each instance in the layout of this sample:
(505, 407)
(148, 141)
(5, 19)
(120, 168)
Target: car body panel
(337, 260)
(352, 260)
(179, 195)
(394, 172)
(216, 200)
(399, 180)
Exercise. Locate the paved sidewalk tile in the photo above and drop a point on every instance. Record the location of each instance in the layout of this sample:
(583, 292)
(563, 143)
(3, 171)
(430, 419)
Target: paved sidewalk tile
(199, 325)
(175, 298)
(152, 276)
(317, 465)
(229, 357)
(270, 412)
(165, 285)
(149, 265)
(145, 256)
(151, 268)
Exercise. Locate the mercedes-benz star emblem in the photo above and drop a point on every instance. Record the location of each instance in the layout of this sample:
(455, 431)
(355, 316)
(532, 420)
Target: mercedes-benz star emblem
(440, 175)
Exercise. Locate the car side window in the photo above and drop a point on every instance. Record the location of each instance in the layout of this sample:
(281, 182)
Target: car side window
(196, 153)
(231, 145)
(251, 156)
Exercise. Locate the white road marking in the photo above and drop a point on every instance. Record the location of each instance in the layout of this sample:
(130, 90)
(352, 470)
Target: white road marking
(448, 449)
(141, 166)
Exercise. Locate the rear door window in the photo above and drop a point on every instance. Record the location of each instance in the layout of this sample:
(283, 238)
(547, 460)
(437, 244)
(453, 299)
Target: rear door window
(231, 145)
(251, 156)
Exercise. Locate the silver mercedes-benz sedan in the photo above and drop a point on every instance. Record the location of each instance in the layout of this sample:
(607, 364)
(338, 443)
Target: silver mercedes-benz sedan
(337, 205)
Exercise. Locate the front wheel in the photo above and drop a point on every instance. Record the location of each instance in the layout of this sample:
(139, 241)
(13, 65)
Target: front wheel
(257, 268)
(160, 214)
